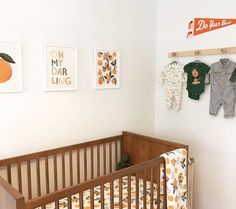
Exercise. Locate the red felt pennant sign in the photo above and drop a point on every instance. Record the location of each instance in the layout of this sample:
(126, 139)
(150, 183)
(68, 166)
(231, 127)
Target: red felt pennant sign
(204, 25)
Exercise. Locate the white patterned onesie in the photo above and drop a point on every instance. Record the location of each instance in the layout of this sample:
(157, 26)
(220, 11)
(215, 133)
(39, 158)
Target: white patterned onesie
(173, 78)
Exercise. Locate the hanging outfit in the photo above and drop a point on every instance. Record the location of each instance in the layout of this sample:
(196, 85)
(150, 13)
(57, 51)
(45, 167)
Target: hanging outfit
(222, 89)
(196, 72)
(173, 77)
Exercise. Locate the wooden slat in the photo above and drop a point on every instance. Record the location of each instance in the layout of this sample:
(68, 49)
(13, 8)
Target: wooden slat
(29, 179)
(78, 166)
(110, 157)
(47, 174)
(158, 184)
(102, 197)
(92, 198)
(19, 177)
(69, 202)
(151, 189)
(111, 194)
(85, 165)
(63, 170)
(38, 176)
(92, 169)
(120, 193)
(43, 206)
(214, 51)
(104, 159)
(98, 160)
(55, 172)
(15, 160)
(71, 168)
(144, 190)
(81, 198)
(9, 174)
(57, 204)
(137, 191)
(116, 153)
(129, 192)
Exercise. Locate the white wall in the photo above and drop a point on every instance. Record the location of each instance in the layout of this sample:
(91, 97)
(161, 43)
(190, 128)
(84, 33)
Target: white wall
(36, 120)
(211, 139)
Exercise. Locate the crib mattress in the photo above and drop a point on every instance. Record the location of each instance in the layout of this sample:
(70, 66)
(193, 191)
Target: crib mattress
(97, 196)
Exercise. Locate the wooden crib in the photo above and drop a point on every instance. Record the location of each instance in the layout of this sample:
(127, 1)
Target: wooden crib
(63, 177)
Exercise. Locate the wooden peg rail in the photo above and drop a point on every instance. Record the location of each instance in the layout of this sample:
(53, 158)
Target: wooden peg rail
(200, 52)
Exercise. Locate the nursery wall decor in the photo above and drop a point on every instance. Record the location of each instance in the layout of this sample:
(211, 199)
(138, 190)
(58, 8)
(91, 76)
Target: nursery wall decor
(61, 68)
(10, 67)
(203, 25)
(106, 68)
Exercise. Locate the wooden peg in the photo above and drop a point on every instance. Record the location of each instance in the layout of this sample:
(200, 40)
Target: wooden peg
(173, 54)
(196, 52)
(223, 51)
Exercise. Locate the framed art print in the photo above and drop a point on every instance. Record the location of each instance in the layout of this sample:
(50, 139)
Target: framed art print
(61, 68)
(106, 68)
(10, 67)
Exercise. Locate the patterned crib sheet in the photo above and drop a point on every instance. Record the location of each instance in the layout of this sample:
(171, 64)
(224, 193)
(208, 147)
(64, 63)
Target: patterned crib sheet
(63, 203)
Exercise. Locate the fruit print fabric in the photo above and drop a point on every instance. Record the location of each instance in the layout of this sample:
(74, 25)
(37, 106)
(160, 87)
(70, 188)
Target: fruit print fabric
(173, 78)
(97, 196)
(176, 175)
(106, 68)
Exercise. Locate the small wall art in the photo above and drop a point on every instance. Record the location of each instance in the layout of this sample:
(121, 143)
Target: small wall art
(10, 67)
(61, 68)
(106, 68)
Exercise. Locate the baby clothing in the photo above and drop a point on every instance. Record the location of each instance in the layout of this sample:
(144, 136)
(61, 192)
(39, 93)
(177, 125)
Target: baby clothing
(222, 89)
(173, 77)
(196, 72)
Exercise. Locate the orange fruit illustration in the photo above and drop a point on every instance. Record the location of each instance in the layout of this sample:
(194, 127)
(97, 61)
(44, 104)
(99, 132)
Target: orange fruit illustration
(5, 67)
(99, 72)
(100, 80)
(100, 62)
(114, 71)
(5, 71)
(114, 54)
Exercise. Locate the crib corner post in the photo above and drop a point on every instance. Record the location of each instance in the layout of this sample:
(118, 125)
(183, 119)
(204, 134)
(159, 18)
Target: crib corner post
(20, 203)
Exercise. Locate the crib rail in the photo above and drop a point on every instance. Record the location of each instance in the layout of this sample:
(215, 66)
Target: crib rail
(40, 173)
(9, 197)
(139, 170)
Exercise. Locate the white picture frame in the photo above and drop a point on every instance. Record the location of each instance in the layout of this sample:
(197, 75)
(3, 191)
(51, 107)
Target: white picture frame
(10, 67)
(61, 67)
(105, 78)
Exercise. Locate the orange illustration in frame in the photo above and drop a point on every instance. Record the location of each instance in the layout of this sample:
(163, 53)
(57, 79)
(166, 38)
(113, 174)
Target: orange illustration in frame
(106, 64)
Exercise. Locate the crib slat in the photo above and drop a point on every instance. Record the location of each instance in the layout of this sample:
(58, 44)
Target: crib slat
(158, 185)
(47, 174)
(56, 204)
(165, 189)
(112, 194)
(29, 179)
(151, 190)
(102, 196)
(144, 190)
(9, 174)
(120, 193)
(98, 160)
(81, 198)
(19, 177)
(92, 198)
(43, 206)
(55, 172)
(104, 159)
(110, 157)
(78, 166)
(85, 165)
(137, 191)
(63, 170)
(92, 170)
(129, 192)
(38, 177)
(71, 168)
(69, 202)
(116, 153)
